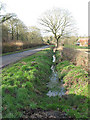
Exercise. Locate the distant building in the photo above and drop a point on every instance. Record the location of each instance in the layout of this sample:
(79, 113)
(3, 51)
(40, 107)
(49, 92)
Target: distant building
(83, 42)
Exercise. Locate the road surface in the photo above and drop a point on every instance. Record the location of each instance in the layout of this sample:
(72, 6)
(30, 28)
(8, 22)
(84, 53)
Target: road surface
(7, 59)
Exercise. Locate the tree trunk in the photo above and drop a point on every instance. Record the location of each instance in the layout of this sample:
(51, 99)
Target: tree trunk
(7, 35)
(12, 33)
(57, 39)
(57, 43)
(17, 33)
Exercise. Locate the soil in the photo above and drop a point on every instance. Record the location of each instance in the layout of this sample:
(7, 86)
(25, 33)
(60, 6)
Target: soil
(43, 114)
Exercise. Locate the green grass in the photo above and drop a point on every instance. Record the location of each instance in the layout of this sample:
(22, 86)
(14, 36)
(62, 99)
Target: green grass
(24, 84)
(76, 83)
(76, 47)
(61, 65)
(24, 87)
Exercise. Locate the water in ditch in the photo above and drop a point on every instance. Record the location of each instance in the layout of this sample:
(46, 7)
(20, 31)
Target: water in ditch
(55, 85)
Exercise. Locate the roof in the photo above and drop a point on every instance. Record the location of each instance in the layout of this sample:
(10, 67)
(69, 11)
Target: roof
(83, 39)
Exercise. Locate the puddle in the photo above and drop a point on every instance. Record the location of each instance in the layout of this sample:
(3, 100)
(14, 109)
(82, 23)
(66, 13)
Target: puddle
(55, 86)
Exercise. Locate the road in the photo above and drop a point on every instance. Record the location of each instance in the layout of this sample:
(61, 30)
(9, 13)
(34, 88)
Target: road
(12, 58)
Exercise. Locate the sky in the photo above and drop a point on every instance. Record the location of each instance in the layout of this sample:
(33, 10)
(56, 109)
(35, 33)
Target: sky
(30, 10)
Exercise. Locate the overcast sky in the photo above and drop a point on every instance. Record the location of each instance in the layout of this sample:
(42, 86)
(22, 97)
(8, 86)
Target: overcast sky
(30, 10)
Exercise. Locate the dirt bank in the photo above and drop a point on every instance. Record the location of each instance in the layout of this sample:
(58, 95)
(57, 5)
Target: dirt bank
(77, 57)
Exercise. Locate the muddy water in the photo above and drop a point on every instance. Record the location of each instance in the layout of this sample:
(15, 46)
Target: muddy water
(55, 86)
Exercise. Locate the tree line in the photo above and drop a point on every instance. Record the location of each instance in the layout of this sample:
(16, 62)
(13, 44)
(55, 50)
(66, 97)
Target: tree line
(14, 29)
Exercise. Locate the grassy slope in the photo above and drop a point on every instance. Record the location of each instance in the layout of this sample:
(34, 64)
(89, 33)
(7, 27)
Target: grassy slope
(24, 84)
(76, 83)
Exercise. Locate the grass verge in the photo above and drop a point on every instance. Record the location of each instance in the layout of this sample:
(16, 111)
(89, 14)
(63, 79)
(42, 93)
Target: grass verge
(77, 47)
(8, 53)
(75, 103)
(24, 84)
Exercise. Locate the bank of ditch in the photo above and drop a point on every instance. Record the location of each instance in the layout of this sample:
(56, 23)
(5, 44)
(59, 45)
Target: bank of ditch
(24, 88)
(75, 81)
(24, 84)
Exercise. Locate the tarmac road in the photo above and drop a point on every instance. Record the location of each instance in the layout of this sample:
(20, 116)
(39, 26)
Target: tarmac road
(12, 58)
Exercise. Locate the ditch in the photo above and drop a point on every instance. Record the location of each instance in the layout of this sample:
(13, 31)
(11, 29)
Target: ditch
(55, 85)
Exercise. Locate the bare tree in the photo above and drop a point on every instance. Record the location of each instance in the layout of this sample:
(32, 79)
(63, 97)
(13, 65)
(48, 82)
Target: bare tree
(57, 21)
